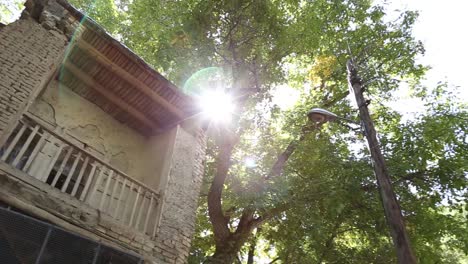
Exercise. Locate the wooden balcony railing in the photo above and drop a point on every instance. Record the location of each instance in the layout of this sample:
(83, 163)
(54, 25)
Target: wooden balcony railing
(37, 150)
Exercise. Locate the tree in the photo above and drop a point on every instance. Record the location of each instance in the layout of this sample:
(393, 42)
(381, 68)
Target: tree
(260, 207)
(259, 45)
(424, 153)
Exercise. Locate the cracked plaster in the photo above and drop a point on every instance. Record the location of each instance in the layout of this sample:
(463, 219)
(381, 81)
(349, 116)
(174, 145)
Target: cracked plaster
(138, 156)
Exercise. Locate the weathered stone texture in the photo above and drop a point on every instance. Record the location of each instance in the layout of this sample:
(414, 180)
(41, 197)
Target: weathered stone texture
(181, 194)
(28, 52)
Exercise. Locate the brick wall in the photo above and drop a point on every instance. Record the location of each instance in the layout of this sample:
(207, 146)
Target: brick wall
(181, 195)
(28, 56)
(29, 53)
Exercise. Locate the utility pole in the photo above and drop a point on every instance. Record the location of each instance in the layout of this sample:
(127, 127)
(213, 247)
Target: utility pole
(390, 204)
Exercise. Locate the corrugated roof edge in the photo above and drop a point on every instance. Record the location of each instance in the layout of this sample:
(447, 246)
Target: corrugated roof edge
(132, 55)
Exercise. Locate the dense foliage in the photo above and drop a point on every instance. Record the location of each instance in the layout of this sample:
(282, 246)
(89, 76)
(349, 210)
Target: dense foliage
(322, 206)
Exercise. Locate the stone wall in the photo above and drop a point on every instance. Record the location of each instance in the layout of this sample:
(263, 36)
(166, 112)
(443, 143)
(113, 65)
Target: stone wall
(30, 50)
(181, 193)
(29, 54)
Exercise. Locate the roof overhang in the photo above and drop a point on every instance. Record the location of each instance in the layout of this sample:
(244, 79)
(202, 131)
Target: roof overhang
(105, 72)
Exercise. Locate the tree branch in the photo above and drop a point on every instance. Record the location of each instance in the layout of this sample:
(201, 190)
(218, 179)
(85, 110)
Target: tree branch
(215, 211)
(411, 176)
(329, 242)
(278, 167)
(269, 214)
(274, 260)
(245, 221)
(408, 177)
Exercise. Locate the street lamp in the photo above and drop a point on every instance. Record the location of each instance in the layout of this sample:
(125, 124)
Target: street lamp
(320, 115)
(390, 204)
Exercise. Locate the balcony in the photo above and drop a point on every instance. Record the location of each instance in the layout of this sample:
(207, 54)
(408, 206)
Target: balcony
(46, 154)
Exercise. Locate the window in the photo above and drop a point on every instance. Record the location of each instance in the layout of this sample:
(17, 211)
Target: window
(26, 240)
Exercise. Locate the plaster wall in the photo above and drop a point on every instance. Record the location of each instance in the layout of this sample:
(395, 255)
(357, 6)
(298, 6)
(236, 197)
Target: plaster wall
(140, 157)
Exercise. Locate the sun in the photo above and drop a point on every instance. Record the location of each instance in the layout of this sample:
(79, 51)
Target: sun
(217, 106)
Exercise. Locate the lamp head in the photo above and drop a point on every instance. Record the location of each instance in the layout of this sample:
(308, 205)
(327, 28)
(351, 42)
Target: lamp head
(319, 115)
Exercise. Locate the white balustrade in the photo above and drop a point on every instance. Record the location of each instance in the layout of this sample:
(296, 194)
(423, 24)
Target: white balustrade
(36, 149)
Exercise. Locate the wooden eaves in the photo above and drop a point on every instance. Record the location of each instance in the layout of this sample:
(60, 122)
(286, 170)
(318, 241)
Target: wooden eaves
(104, 71)
(129, 78)
(114, 99)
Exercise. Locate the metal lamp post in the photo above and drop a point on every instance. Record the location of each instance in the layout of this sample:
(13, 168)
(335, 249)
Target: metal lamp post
(391, 207)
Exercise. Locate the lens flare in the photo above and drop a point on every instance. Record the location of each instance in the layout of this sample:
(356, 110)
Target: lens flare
(209, 87)
(216, 106)
(250, 162)
(211, 78)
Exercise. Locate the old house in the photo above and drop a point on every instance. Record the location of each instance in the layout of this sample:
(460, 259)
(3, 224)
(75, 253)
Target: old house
(101, 159)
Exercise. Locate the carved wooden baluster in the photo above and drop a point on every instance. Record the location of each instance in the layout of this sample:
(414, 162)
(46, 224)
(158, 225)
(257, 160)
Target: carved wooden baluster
(135, 206)
(15, 140)
(96, 185)
(158, 207)
(150, 209)
(25, 146)
(119, 200)
(104, 192)
(126, 201)
(72, 171)
(52, 162)
(114, 189)
(80, 176)
(35, 151)
(140, 210)
(62, 166)
(88, 181)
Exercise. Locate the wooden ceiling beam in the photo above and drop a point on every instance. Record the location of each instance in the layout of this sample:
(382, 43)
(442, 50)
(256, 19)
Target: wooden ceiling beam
(91, 83)
(121, 73)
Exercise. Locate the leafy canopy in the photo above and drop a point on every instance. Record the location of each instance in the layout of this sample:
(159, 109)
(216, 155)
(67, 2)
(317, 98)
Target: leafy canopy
(333, 211)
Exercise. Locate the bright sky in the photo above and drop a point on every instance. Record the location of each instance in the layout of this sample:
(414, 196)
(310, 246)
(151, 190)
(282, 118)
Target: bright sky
(440, 28)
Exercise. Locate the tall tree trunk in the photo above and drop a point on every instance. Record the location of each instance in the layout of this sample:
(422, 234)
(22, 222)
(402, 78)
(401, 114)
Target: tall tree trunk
(253, 245)
(227, 242)
(251, 253)
(329, 243)
(226, 252)
(223, 256)
(395, 220)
